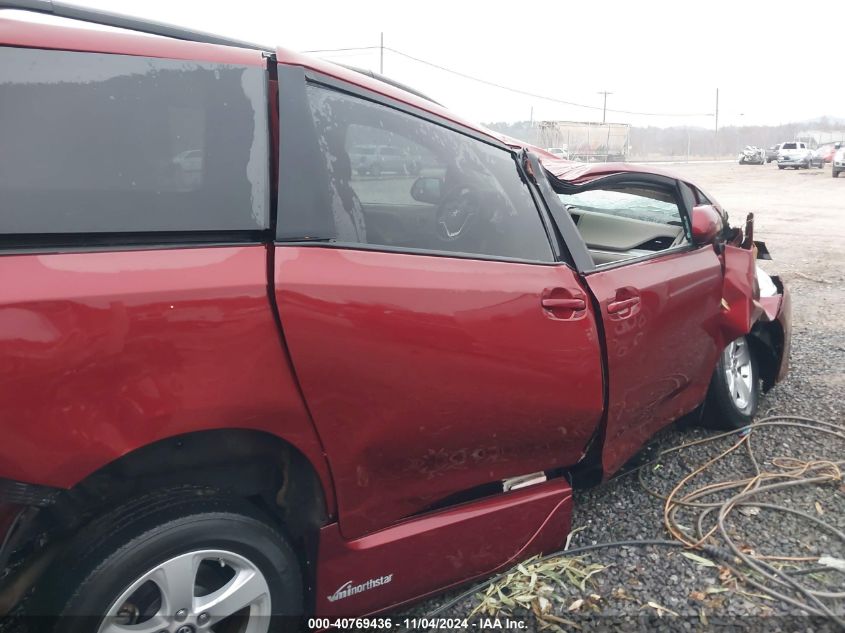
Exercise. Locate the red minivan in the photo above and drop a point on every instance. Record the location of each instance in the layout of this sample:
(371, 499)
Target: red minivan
(244, 381)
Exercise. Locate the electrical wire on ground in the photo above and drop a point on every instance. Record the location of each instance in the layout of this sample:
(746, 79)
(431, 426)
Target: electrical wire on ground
(717, 541)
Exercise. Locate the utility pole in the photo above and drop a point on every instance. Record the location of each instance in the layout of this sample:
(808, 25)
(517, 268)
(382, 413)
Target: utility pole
(381, 55)
(716, 133)
(604, 107)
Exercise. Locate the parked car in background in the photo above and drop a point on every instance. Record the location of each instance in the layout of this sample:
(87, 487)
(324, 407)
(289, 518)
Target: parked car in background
(817, 159)
(772, 153)
(373, 160)
(827, 150)
(838, 165)
(752, 155)
(797, 155)
(278, 389)
(560, 152)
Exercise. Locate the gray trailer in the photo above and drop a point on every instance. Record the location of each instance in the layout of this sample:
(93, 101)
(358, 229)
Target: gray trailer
(587, 142)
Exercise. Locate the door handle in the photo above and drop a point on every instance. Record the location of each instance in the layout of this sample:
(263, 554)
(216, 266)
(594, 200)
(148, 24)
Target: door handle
(621, 305)
(563, 304)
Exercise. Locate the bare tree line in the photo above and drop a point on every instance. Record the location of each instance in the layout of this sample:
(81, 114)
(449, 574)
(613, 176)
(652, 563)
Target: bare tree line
(698, 142)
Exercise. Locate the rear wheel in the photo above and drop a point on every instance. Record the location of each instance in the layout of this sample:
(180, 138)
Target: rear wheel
(734, 391)
(835, 174)
(184, 560)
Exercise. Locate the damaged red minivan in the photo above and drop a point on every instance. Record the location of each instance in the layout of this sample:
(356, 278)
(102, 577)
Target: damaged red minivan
(243, 376)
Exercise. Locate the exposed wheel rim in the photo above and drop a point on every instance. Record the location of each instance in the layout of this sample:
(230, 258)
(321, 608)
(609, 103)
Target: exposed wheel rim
(739, 374)
(205, 590)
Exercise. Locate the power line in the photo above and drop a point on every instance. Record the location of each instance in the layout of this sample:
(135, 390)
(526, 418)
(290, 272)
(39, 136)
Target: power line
(493, 84)
(534, 94)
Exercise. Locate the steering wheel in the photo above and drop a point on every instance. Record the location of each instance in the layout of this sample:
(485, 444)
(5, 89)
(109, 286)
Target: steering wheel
(456, 213)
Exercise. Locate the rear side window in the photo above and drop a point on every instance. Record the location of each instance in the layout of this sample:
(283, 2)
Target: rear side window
(789, 146)
(98, 143)
(425, 188)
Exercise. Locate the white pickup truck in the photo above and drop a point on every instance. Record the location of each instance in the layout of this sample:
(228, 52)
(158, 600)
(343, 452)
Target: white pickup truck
(795, 154)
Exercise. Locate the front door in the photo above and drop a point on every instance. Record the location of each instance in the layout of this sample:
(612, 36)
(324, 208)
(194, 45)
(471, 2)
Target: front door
(660, 303)
(660, 319)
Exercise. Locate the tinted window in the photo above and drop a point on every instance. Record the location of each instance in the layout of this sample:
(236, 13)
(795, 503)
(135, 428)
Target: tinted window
(113, 143)
(789, 146)
(429, 187)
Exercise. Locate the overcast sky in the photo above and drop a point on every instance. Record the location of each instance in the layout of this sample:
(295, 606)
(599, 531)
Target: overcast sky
(773, 62)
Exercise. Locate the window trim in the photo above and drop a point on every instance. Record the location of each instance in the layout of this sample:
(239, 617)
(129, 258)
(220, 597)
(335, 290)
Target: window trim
(681, 248)
(293, 82)
(406, 250)
(45, 243)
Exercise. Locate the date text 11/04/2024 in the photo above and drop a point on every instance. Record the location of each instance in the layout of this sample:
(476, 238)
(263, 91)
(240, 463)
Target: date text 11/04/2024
(482, 624)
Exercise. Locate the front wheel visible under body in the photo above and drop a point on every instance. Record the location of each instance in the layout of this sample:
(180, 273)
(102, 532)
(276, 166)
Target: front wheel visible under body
(734, 391)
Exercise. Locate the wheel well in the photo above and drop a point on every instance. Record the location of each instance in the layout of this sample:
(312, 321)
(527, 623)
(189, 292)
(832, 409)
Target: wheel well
(258, 466)
(766, 341)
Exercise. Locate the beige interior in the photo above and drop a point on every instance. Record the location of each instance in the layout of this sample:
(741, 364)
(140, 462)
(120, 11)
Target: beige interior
(611, 238)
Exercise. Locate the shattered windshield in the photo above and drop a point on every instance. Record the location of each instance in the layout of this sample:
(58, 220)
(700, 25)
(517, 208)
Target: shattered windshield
(622, 204)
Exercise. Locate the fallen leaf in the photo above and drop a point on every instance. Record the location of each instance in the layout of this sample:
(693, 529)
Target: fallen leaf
(749, 511)
(576, 605)
(544, 605)
(819, 508)
(660, 610)
(696, 595)
(835, 563)
(704, 562)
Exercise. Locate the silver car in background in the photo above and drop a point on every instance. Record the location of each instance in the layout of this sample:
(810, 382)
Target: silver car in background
(838, 163)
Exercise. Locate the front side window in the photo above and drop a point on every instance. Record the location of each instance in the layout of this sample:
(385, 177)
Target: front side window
(626, 221)
(102, 143)
(398, 181)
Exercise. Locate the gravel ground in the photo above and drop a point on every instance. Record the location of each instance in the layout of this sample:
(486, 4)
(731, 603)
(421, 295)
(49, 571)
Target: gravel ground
(800, 216)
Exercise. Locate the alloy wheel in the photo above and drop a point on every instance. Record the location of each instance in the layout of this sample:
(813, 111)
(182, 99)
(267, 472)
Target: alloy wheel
(739, 374)
(206, 590)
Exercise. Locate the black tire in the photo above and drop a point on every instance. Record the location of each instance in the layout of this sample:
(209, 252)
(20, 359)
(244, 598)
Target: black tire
(720, 408)
(780, 166)
(835, 173)
(121, 546)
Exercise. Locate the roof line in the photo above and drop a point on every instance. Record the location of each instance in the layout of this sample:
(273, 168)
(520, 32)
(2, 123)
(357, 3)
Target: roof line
(121, 21)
